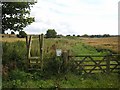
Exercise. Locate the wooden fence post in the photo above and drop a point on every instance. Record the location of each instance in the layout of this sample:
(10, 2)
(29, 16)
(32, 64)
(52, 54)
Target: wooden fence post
(65, 60)
(28, 45)
(41, 41)
(108, 64)
(29, 49)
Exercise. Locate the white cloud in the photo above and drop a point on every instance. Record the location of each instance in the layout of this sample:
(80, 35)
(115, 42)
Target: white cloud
(75, 16)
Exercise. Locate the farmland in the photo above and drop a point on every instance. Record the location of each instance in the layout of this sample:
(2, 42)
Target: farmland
(16, 76)
(11, 39)
(111, 43)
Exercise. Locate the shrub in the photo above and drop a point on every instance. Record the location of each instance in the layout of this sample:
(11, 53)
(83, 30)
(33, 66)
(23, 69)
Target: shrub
(52, 66)
(14, 52)
(17, 35)
(20, 75)
(22, 34)
(12, 32)
(78, 35)
(51, 33)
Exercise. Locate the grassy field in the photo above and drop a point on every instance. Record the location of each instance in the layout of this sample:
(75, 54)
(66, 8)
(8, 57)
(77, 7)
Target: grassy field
(15, 75)
(69, 80)
(12, 39)
(108, 43)
(75, 45)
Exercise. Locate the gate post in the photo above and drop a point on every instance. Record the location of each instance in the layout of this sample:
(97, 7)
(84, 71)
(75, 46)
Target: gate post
(108, 64)
(41, 41)
(65, 60)
(28, 46)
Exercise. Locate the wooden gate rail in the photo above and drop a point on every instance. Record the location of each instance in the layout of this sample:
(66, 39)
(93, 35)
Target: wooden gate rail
(111, 63)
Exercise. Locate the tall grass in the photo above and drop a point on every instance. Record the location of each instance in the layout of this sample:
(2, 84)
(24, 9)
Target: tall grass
(14, 52)
(50, 78)
(74, 45)
(20, 79)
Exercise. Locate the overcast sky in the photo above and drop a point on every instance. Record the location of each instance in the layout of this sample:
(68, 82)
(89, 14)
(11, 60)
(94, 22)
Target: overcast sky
(75, 17)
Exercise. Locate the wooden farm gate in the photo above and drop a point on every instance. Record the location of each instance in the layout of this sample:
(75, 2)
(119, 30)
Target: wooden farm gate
(92, 63)
(38, 60)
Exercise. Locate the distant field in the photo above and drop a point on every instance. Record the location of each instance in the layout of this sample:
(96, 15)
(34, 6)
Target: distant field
(108, 43)
(7, 39)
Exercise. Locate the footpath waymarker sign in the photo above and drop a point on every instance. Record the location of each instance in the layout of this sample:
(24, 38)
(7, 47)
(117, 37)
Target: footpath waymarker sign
(58, 52)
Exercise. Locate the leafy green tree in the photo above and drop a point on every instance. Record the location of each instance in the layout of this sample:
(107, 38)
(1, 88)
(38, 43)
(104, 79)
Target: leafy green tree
(16, 15)
(85, 35)
(12, 32)
(68, 35)
(78, 35)
(73, 35)
(51, 33)
(106, 35)
(22, 34)
(59, 36)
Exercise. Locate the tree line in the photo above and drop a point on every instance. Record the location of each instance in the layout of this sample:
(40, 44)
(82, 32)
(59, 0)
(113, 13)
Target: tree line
(51, 33)
(91, 36)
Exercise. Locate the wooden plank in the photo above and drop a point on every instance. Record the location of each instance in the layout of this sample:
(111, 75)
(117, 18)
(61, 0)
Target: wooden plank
(115, 55)
(91, 55)
(92, 65)
(34, 58)
(95, 69)
(114, 60)
(39, 47)
(41, 44)
(30, 42)
(27, 46)
(90, 60)
(34, 63)
(117, 62)
(113, 64)
(87, 55)
(102, 70)
(33, 35)
(31, 69)
(27, 43)
(115, 68)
